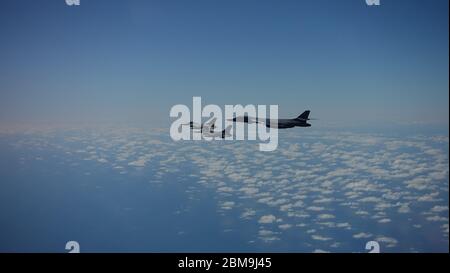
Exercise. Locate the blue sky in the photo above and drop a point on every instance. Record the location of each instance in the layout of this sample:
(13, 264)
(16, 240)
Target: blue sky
(130, 61)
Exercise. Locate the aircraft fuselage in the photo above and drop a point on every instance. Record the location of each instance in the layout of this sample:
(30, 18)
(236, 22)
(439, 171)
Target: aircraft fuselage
(286, 123)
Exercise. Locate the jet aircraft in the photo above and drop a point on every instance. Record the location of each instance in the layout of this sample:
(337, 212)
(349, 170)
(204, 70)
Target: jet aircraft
(300, 121)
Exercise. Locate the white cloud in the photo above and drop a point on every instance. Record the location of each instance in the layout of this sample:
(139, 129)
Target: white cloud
(389, 241)
(227, 205)
(418, 183)
(384, 220)
(325, 216)
(267, 235)
(404, 208)
(320, 238)
(267, 219)
(225, 189)
(248, 213)
(138, 163)
(445, 228)
(429, 197)
(362, 212)
(315, 208)
(323, 200)
(362, 235)
(285, 226)
(249, 190)
(343, 225)
(371, 199)
(320, 251)
(439, 208)
(437, 218)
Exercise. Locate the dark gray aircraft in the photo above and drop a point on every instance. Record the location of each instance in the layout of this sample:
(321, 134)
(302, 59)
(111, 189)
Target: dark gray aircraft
(300, 121)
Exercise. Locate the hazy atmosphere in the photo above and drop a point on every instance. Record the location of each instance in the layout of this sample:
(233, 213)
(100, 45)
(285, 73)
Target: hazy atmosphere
(362, 139)
(130, 61)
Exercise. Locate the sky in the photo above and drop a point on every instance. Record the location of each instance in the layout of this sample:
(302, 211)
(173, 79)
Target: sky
(131, 61)
(128, 62)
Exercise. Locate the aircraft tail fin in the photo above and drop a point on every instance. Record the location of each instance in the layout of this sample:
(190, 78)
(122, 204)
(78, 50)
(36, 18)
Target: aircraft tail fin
(227, 131)
(304, 115)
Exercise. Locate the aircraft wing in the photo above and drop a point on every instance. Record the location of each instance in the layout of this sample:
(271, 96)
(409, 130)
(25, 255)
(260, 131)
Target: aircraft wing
(209, 125)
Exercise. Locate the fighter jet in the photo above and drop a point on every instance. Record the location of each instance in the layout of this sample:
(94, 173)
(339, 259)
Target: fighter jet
(224, 133)
(207, 126)
(300, 121)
